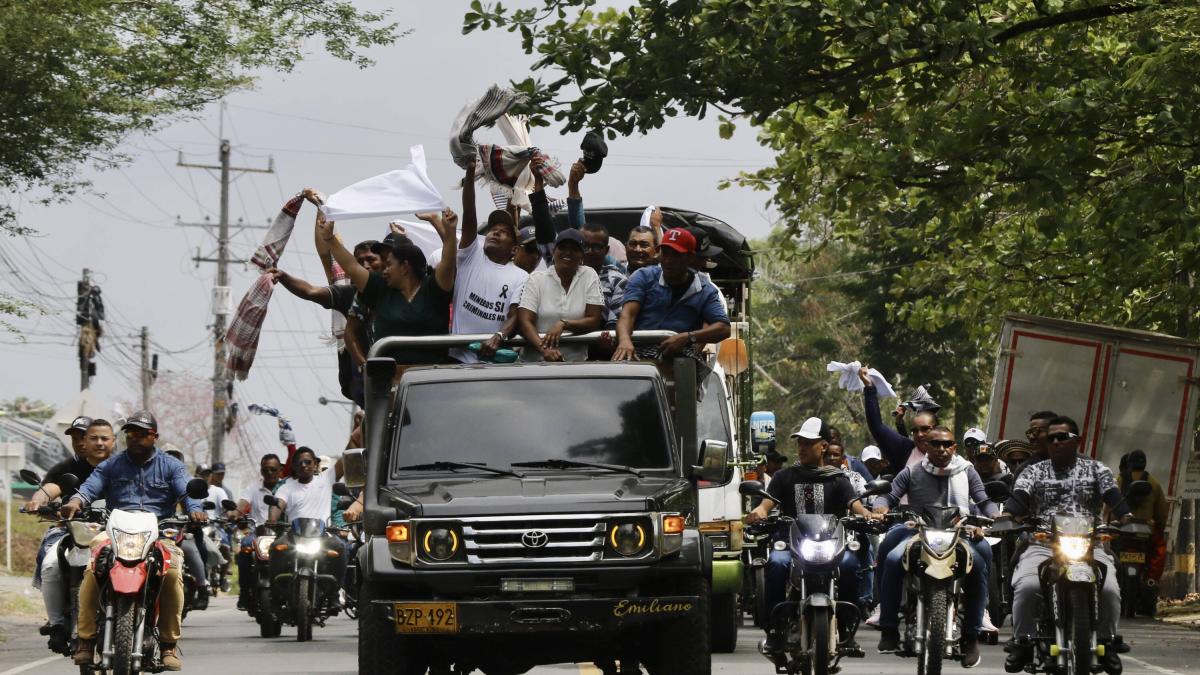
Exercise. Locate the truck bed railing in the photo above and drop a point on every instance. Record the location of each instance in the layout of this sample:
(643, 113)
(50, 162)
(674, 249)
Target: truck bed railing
(387, 346)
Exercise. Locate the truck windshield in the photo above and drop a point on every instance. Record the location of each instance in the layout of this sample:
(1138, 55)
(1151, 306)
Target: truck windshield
(498, 422)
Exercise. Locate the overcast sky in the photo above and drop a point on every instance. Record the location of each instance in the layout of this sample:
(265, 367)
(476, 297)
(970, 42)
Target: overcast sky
(327, 125)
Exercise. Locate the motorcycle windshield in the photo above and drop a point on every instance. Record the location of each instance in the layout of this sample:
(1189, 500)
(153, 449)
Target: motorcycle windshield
(308, 527)
(814, 528)
(940, 516)
(1073, 526)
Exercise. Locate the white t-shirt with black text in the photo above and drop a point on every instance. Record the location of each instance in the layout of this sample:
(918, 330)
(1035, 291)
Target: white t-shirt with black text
(483, 291)
(313, 499)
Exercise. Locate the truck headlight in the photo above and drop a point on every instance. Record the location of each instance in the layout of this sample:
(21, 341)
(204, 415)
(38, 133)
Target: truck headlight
(130, 545)
(440, 543)
(629, 538)
(262, 546)
(1073, 548)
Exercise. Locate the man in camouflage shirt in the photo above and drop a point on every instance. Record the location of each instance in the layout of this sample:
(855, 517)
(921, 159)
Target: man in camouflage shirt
(1066, 484)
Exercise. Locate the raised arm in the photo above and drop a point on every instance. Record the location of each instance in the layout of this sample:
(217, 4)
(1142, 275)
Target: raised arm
(446, 224)
(302, 289)
(575, 200)
(470, 220)
(358, 274)
(894, 447)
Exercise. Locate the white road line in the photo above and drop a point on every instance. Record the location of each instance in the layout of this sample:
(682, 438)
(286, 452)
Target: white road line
(31, 665)
(1148, 666)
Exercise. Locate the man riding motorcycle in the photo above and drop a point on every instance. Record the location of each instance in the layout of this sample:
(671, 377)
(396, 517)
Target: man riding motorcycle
(1064, 484)
(139, 479)
(806, 488)
(93, 443)
(271, 468)
(942, 477)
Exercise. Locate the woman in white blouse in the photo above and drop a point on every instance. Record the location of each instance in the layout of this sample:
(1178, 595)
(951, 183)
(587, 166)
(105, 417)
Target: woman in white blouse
(565, 297)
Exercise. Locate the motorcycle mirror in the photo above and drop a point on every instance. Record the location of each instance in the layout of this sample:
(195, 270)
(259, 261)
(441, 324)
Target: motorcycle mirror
(68, 482)
(228, 505)
(341, 490)
(197, 488)
(270, 500)
(878, 487)
(750, 487)
(1139, 488)
(30, 477)
(889, 477)
(344, 503)
(208, 506)
(997, 490)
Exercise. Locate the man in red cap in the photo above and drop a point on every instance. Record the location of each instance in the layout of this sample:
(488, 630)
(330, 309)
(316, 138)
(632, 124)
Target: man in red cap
(671, 296)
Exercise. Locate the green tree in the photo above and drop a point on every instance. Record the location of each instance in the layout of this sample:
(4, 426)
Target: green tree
(25, 407)
(1041, 155)
(78, 76)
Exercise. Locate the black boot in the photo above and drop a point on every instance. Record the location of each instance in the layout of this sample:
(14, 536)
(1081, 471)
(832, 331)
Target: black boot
(1111, 662)
(969, 646)
(1020, 653)
(889, 641)
(59, 640)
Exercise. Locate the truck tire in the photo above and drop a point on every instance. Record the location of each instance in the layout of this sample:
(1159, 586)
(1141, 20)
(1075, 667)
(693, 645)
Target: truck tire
(683, 646)
(380, 650)
(726, 619)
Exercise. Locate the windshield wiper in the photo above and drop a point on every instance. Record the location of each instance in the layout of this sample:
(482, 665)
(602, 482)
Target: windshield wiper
(453, 466)
(571, 463)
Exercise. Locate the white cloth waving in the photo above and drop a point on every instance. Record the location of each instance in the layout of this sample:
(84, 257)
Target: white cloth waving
(848, 377)
(406, 190)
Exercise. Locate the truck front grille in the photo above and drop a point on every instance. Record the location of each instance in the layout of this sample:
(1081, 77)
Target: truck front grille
(533, 539)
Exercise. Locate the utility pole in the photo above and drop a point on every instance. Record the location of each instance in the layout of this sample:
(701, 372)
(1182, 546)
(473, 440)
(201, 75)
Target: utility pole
(222, 300)
(147, 371)
(83, 288)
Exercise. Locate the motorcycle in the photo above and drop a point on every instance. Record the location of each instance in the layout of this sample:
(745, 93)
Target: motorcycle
(352, 534)
(1130, 553)
(129, 569)
(756, 548)
(305, 571)
(812, 618)
(216, 564)
(937, 560)
(73, 550)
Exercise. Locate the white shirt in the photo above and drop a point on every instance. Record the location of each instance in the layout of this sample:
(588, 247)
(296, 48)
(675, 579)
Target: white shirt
(313, 499)
(483, 291)
(544, 294)
(216, 494)
(259, 511)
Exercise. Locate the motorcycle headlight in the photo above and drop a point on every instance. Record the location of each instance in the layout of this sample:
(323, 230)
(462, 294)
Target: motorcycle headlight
(262, 546)
(83, 533)
(1074, 548)
(818, 551)
(308, 546)
(628, 539)
(439, 543)
(938, 541)
(130, 545)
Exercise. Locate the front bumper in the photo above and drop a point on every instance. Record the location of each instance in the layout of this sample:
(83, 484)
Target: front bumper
(553, 615)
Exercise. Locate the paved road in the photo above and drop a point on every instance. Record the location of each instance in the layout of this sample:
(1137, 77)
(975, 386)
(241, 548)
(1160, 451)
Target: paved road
(224, 641)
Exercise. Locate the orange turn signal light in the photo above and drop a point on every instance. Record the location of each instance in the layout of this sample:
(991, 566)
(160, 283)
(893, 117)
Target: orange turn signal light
(750, 475)
(332, 553)
(281, 547)
(673, 524)
(397, 533)
(1041, 536)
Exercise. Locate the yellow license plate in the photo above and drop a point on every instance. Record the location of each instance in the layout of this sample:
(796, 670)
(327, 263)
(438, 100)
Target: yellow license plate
(1133, 557)
(426, 617)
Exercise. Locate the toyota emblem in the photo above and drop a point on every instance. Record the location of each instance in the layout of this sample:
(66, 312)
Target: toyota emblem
(534, 539)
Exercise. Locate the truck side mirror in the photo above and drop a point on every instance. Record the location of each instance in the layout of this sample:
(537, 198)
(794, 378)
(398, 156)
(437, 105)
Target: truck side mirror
(712, 461)
(354, 469)
(197, 488)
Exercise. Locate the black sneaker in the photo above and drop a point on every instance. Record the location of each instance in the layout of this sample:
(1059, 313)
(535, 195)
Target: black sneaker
(1019, 655)
(200, 603)
(59, 640)
(969, 646)
(1111, 662)
(889, 641)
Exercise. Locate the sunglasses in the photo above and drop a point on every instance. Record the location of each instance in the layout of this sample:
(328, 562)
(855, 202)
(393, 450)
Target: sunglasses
(942, 444)
(595, 247)
(1062, 437)
(1034, 433)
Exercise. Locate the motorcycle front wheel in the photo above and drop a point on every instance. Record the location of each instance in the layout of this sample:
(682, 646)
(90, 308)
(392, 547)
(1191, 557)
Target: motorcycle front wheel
(123, 636)
(268, 625)
(818, 640)
(1078, 628)
(303, 610)
(930, 662)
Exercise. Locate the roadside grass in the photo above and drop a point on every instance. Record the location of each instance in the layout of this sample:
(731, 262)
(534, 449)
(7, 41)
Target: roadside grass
(27, 533)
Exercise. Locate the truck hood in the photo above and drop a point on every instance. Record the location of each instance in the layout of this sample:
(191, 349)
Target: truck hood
(501, 495)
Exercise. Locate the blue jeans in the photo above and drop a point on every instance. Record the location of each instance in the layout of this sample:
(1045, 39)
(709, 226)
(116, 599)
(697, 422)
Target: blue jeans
(51, 537)
(975, 586)
(779, 567)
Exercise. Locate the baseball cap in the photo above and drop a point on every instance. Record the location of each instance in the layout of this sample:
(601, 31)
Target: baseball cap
(218, 467)
(569, 234)
(984, 450)
(203, 469)
(704, 246)
(526, 235)
(391, 241)
(142, 419)
(80, 423)
(594, 151)
(812, 429)
(870, 452)
(679, 239)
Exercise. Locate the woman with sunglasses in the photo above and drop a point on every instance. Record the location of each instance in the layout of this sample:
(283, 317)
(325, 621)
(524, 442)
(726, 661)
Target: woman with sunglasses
(564, 298)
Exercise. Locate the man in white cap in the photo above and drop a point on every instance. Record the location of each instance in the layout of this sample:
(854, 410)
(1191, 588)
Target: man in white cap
(873, 459)
(806, 487)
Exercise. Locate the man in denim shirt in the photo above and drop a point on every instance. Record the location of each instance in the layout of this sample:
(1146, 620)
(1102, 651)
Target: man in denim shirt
(139, 479)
